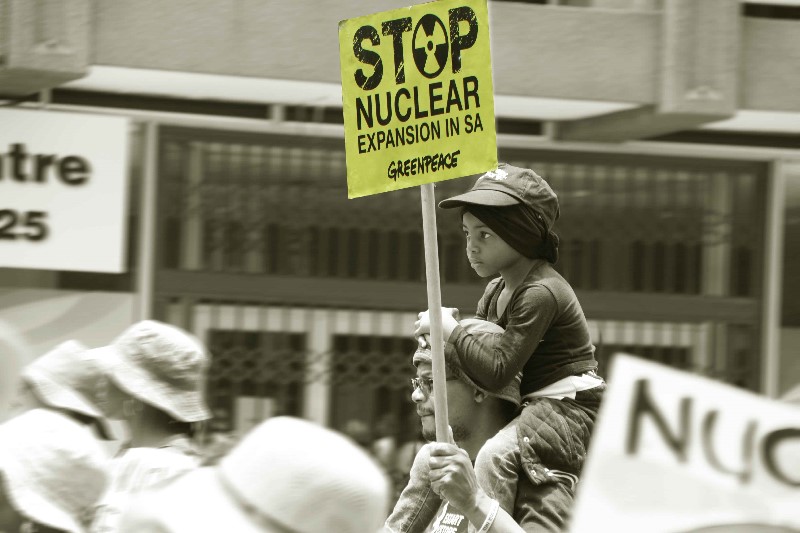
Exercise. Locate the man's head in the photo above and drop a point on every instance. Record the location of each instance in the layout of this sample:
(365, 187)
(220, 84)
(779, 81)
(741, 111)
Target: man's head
(53, 471)
(464, 396)
(68, 377)
(160, 365)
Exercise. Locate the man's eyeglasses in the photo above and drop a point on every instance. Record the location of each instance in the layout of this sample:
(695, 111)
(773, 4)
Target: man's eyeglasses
(425, 384)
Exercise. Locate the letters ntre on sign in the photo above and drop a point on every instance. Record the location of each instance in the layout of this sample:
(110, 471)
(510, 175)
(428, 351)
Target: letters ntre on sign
(417, 96)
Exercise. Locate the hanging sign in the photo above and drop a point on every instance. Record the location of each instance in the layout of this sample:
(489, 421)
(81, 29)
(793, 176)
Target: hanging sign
(63, 191)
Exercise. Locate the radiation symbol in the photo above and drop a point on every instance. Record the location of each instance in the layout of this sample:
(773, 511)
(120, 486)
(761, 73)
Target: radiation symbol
(430, 46)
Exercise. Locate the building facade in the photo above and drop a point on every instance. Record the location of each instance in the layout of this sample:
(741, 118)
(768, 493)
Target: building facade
(240, 229)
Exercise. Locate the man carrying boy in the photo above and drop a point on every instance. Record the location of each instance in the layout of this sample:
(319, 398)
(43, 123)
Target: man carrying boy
(442, 493)
(508, 218)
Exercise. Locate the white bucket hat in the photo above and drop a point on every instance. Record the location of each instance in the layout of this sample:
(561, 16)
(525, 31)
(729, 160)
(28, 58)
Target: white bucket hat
(55, 470)
(287, 474)
(66, 377)
(161, 365)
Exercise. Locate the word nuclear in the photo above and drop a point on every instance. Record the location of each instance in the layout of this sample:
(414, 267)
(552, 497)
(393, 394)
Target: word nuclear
(430, 45)
(433, 102)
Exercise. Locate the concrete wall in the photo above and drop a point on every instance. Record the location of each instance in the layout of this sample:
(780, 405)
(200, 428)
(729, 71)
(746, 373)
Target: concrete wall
(537, 50)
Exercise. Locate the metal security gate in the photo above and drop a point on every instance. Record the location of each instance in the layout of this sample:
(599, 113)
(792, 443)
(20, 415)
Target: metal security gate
(262, 255)
(339, 365)
(332, 365)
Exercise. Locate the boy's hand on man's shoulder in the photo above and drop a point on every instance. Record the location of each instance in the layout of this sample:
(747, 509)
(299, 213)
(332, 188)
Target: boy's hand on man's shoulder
(422, 327)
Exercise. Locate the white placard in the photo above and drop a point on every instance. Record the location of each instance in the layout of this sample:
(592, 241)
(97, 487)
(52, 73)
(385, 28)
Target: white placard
(63, 191)
(674, 452)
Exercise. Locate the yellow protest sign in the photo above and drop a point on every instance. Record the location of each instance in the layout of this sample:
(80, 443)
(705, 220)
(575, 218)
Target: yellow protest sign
(417, 96)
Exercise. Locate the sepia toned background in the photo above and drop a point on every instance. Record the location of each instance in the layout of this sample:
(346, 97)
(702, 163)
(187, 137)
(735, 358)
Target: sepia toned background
(669, 129)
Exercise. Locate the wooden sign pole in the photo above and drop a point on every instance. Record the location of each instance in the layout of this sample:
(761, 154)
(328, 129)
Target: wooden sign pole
(435, 309)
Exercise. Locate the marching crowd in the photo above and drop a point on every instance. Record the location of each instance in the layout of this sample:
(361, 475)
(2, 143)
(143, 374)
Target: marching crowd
(522, 396)
(56, 475)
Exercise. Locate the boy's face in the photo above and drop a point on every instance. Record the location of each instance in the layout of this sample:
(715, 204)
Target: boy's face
(487, 253)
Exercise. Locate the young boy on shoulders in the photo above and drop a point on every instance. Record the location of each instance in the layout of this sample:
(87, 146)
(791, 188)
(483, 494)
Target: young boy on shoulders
(507, 219)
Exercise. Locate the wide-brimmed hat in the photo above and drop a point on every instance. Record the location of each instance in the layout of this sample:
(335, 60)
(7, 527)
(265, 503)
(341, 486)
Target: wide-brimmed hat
(487, 332)
(161, 365)
(55, 470)
(510, 185)
(66, 377)
(287, 474)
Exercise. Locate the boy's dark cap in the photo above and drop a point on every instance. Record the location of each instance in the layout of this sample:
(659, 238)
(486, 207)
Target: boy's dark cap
(509, 185)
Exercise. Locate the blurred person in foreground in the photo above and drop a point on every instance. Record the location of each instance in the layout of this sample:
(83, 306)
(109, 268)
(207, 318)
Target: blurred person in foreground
(286, 475)
(52, 472)
(156, 373)
(442, 493)
(70, 379)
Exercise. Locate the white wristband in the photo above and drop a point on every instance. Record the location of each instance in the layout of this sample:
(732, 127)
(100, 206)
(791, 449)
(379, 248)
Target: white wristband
(490, 516)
